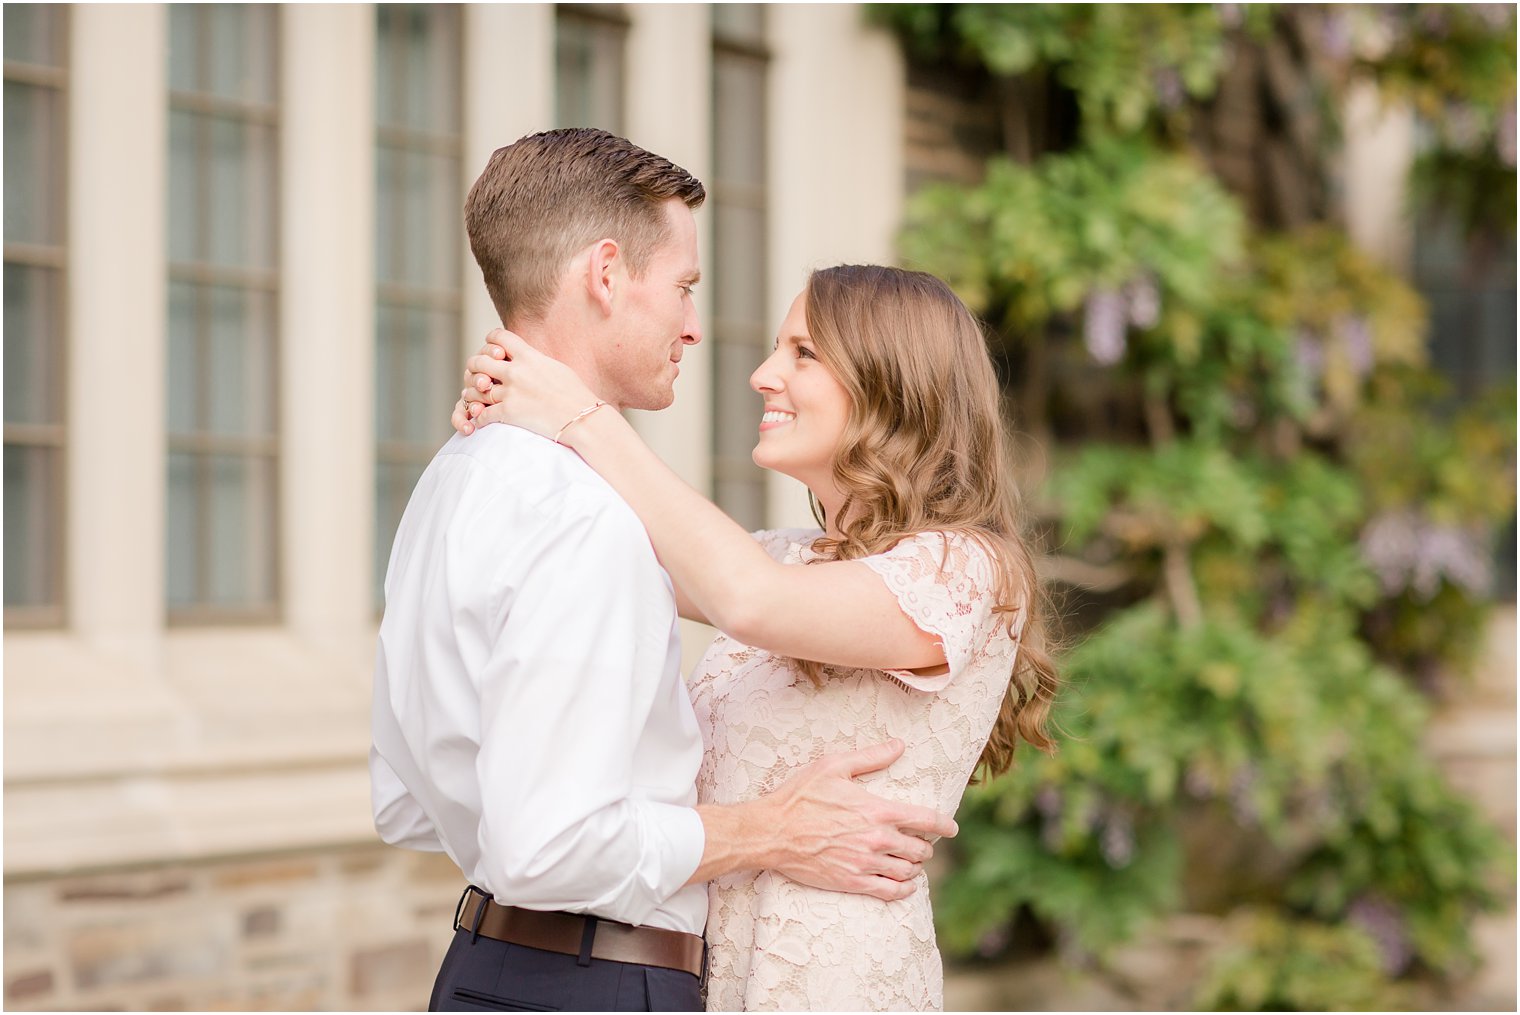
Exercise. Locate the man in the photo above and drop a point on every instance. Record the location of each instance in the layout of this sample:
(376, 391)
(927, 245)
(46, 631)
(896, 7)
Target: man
(529, 716)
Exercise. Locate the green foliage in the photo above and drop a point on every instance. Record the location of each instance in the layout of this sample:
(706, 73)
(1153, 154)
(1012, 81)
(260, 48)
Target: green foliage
(1277, 964)
(1038, 240)
(1408, 842)
(1127, 66)
(1455, 64)
(1437, 55)
(1303, 530)
(1007, 866)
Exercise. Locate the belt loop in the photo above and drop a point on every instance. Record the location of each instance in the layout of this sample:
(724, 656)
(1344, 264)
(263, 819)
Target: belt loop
(480, 913)
(459, 909)
(588, 938)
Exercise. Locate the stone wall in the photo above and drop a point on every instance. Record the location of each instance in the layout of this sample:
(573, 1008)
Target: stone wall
(360, 928)
(950, 126)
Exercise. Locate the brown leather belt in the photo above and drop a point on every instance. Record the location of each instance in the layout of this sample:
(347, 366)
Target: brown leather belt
(570, 934)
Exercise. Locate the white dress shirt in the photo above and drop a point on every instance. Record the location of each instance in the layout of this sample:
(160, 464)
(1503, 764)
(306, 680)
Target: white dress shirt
(529, 715)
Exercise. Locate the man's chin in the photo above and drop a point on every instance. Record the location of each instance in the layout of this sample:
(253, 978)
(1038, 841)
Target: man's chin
(657, 401)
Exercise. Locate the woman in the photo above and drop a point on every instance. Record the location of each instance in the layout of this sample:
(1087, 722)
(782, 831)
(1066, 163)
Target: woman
(906, 621)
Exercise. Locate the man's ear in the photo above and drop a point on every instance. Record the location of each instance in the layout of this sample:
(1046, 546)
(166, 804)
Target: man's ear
(603, 273)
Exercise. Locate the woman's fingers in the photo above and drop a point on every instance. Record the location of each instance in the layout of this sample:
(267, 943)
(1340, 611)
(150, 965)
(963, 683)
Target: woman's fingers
(461, 418)
(494, 369)
(488, 393)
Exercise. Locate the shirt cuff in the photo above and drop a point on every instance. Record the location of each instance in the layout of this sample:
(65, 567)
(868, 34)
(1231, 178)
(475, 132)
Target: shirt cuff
(678, 838)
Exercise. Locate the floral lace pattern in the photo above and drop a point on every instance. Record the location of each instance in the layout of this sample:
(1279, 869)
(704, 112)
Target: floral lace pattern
(774, 944)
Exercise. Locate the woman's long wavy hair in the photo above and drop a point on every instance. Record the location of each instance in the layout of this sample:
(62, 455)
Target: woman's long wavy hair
(924, 449)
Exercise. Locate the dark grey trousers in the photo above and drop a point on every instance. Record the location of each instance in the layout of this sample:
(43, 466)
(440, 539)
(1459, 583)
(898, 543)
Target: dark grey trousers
(483, 974)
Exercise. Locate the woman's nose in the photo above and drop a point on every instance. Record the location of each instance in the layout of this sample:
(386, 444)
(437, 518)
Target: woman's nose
(765, 378)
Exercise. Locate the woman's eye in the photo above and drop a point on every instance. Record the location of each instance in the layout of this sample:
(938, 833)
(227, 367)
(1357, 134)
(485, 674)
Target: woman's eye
(803, 352)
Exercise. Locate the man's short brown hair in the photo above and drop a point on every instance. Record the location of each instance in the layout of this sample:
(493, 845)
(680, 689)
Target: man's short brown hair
(545, 196)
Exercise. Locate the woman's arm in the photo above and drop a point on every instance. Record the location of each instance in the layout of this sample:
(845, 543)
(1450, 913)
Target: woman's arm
(835, 612)
(685, 608)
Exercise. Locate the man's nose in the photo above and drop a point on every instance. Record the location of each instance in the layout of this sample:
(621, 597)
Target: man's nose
(691, 329)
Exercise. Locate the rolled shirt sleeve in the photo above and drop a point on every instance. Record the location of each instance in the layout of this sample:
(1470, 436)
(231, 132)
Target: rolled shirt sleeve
(399, 818)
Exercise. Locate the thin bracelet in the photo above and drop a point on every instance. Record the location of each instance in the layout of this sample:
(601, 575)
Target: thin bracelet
(588, 410)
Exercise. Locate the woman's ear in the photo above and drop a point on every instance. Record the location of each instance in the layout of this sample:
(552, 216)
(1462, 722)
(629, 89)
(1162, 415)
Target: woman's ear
(603, 261)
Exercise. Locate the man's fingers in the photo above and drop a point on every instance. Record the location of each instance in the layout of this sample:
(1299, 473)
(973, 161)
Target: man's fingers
(913, 849)
(869, 759)
(923, 822)
(898, 870)
(886, 889)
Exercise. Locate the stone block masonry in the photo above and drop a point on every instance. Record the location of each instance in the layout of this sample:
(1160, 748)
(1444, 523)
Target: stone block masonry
(359, 929)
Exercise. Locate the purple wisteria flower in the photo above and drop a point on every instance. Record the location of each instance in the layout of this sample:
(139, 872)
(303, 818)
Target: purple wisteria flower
(1103, 326)
(1197, 783)
(1494, 15)
(1118, 840)
(1335, 35)
(1504, 138)
(1168, 85)
(1142, 301)
(991, 944)
(1309, 353)
(1409, 551)
(1383, 922)
(1242, 795)
(1356, 340)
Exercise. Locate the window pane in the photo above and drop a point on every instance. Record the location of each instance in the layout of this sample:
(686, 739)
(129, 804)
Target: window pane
(739, 22)
(240, 201)
(222, 328)
(739, 234)
(33, 34)
(33, 163)
(588, 73)
(184, 185)
(418, 195)
(390, 340)
(744, 501)
(184, 362)
(240, 349)
(737, 415)
(33, 345)
(393, 488)
(430, 203)
(739, 120)
(32, 526)
(184, 27)
(242, 541)
(182, 535)
(432, 366)
(739, 285)
(241, 40)
(417, 368)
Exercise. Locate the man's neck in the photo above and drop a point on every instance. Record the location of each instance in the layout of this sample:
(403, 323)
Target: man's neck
(566, 341)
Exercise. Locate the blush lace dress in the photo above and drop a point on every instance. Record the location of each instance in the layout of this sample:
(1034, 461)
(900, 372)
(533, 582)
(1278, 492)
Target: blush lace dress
(774, 944)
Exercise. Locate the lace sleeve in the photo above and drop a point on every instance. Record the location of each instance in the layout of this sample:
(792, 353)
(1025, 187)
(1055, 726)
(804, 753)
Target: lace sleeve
(779, 542)
(944, 582)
